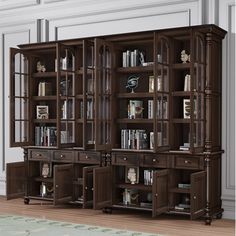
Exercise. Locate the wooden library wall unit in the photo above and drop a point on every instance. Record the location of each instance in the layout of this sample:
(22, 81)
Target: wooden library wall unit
(128, 121)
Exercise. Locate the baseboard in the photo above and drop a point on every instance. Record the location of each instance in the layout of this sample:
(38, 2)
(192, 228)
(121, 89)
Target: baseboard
(229, 208)
(2, 186)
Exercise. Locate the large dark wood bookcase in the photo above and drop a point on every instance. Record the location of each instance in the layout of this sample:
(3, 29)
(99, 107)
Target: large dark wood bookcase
(127, 121)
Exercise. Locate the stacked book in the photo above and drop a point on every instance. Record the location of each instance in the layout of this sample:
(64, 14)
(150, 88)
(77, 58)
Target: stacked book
(134, 139)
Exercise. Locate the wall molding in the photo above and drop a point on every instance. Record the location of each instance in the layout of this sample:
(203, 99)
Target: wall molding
(118, 21)
(13, 4)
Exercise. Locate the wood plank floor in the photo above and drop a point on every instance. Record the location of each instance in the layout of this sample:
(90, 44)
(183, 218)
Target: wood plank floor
(129, 220)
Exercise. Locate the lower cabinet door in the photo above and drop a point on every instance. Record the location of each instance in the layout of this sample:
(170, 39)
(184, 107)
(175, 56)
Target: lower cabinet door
(63, 183)
(198, 194)
(88, 186)
(160, 192)
(16, 180)
(102, 184)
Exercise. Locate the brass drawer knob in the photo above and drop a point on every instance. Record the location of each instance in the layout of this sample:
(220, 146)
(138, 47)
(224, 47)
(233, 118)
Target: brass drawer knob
(187, 162)
(125, 158)
(38, 155)
(86, 157)
(194, 197)
(154, 160)
(85, 187)
(62, 155)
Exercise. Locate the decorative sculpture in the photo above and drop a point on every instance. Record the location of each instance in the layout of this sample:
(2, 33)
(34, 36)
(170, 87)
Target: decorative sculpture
(132, 82)
(185, 57)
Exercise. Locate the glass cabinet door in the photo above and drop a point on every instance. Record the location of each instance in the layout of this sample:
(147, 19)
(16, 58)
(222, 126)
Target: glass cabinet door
(66, 95)
(19, 99)
(198, 71)
(89, 93)
(103, 94)
(162, 74)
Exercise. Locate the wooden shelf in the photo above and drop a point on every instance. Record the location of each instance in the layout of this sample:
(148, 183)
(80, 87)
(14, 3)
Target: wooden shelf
(42, 179)
(45, 121)
(135, 186)
(135, 69)
(132, 206)
(135, 95)
(180, 190)
(135, 121)
(45, 75)
(44, 98)
(181, 66)
(181, 93)
(181, 121)
(40, 198)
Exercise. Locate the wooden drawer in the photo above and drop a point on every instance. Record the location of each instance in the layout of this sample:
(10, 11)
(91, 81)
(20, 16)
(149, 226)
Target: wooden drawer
(39, 155)
(155, 160)
(63, 156)
(187, 162)
(88, 157)
(125, 159)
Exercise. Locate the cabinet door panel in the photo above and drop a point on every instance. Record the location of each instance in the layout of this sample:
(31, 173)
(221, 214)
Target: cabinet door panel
(88, 186)
(102, 181)
(160, 192)
(198, 194)
(16, 180)
(19, 99)
(63, 183)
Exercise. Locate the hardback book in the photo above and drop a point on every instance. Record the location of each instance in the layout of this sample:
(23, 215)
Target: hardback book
(151, 84)
(150, 109)
(44, 88)
(135, 109)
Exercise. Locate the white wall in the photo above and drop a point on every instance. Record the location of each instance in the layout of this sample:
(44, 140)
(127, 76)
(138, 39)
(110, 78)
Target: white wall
(24, 21)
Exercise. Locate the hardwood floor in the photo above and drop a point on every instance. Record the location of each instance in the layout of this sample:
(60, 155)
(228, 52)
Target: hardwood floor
(130, 220)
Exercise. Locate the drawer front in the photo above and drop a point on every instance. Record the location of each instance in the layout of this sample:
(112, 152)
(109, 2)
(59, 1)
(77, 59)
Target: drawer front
(63, 156)
(88, 157)
(125, 159)
(155, 161)
(39, 155)
(186, 162)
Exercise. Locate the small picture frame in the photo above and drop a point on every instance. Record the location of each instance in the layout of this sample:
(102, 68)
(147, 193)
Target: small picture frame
(42, 112)
(132, 174)
(46, 169)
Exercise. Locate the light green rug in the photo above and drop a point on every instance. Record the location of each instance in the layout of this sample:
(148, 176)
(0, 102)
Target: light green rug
(25, 226)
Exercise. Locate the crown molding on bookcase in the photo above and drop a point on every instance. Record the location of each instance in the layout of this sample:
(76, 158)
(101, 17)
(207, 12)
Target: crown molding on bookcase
(7, 5)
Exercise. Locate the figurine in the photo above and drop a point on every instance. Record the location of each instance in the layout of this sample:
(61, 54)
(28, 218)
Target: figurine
(185, 57)
(40, 67)
(132, 175)
(132, 83)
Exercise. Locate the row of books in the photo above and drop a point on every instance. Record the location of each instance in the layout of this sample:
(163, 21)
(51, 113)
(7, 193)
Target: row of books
(148, 177)
(45, 136)
(131, 58)
(44, 88)
(134, 139)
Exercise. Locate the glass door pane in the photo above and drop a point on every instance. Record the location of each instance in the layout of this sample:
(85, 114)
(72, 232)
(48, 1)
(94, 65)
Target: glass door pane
(89, 102)
(197, 98)
(162, 74)
(66, 95)
(103, 94)
(19, 99)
